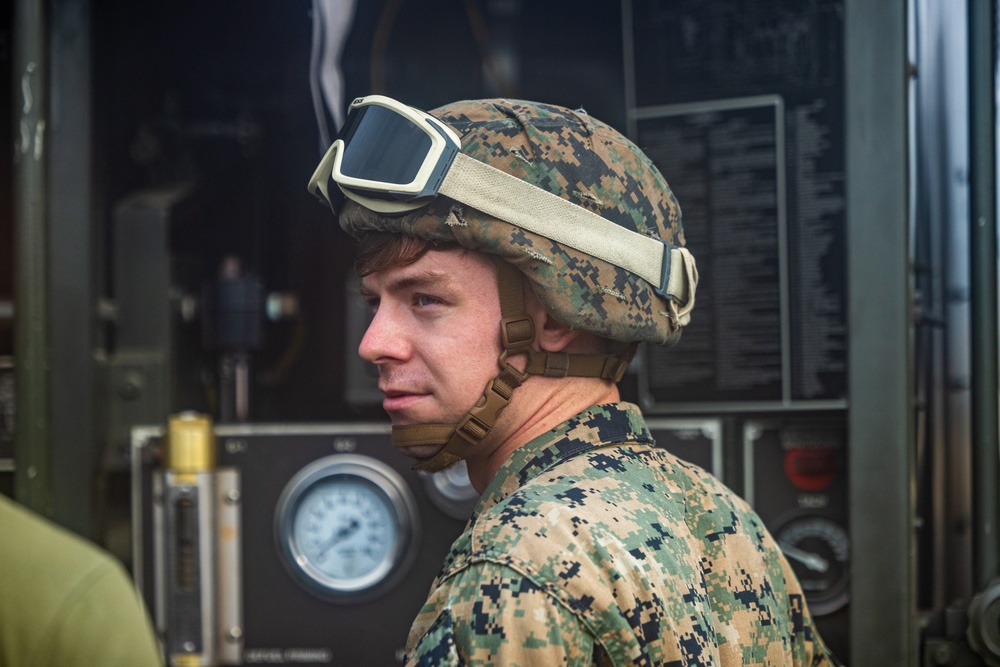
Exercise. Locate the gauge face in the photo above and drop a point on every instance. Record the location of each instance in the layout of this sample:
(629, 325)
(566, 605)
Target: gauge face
(346, 526)
(818, 550)
(346, 529)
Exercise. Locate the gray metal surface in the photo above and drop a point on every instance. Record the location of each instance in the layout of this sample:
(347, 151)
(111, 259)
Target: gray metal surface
(880, 354)
(941, 281)
(142, 368)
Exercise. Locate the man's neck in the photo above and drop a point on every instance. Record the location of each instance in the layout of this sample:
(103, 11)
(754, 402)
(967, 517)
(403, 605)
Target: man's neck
(538, 406)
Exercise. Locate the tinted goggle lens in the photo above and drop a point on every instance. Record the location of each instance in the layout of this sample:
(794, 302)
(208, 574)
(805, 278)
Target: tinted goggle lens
(388, 157)
(381, 145)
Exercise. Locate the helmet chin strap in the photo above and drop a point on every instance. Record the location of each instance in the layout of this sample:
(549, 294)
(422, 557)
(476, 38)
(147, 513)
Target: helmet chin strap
(517, 332)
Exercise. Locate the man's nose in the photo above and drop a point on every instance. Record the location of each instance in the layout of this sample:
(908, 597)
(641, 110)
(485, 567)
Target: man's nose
(384, 340)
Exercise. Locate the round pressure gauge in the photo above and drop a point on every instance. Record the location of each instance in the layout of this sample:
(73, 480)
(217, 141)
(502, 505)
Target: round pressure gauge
(451, 491)
(818, 550)
(346, 527)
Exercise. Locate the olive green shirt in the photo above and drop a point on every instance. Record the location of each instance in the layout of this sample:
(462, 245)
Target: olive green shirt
(591, 545)
(65, 602)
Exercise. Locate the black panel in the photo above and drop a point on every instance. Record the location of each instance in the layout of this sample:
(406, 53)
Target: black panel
(763, 198)
(725, 166)
(797, 483)
(280, 615)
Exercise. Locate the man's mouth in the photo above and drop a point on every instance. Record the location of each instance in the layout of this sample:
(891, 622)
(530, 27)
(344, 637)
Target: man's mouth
(397, 400)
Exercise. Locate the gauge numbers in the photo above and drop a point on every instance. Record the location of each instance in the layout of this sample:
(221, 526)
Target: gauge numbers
(345, 526)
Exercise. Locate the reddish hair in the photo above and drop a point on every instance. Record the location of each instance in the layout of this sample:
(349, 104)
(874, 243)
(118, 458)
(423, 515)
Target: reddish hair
(379, 251)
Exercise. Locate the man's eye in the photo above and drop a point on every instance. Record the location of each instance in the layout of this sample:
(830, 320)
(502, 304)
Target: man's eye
(425, 300)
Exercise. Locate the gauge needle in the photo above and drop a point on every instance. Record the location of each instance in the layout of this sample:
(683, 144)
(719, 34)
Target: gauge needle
(814, 562)
(342, 534)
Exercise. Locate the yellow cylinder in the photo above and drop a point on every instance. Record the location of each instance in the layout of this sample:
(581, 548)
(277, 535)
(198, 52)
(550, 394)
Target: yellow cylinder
(186, 660)
(190, 444)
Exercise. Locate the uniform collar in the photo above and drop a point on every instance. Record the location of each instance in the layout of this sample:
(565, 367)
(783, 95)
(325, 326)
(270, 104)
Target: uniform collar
(597, 426)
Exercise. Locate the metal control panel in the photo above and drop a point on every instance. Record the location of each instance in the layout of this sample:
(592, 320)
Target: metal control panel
(305, 544)
(796, 480)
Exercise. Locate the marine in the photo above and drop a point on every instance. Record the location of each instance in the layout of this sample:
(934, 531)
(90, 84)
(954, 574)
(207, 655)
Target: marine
(514, 255)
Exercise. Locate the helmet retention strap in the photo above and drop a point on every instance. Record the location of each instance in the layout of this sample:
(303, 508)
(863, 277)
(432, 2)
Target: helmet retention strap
(517, 333)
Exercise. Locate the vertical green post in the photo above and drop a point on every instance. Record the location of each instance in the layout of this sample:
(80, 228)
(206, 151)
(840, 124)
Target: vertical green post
(983, 260)
(32, 485)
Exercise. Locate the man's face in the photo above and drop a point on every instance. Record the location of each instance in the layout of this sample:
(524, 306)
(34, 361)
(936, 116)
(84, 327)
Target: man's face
(435, 336)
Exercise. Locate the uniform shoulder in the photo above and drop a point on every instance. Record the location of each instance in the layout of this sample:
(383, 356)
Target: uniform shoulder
(584, 497)
(44, 565)
(40, 545)
(62, 596)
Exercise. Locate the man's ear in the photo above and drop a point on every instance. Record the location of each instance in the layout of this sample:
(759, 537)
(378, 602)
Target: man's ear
(551, 335)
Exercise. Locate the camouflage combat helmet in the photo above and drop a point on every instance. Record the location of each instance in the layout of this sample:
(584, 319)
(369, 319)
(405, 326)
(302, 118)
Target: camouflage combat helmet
(590, 166)
(581, 160)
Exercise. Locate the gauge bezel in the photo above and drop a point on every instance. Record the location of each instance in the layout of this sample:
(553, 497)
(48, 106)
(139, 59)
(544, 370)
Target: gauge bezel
(451, 492)
(838, 594)
(383, 480)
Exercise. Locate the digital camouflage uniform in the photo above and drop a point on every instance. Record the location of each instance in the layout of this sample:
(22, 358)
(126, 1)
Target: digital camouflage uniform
(591, 544)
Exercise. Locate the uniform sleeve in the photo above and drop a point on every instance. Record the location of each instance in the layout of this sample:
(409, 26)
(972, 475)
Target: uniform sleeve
(489, 614)
(103, 622)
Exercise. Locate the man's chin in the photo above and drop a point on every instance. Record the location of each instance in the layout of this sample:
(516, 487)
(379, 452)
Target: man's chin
(442, 461)
(420, 452)
(429, 445)
(429, 458)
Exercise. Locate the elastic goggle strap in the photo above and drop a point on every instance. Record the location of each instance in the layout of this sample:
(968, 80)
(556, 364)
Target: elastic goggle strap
(518, 335)
(504, 196)
(667, 268)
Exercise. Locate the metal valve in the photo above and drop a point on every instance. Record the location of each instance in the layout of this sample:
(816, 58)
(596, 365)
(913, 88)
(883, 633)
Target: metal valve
(983, 632)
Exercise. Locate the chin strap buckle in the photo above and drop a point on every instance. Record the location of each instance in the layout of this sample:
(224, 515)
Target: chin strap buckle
(483, 416)
(471, 430)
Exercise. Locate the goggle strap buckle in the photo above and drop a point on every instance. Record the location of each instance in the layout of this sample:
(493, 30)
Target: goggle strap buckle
(680, 283)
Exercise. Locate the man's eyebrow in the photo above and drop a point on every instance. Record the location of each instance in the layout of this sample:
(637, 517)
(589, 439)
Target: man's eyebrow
(405, 282)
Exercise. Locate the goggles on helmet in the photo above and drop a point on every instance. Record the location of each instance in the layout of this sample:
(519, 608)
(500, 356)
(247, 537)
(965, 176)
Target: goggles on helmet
(392, 158)
(388, 157)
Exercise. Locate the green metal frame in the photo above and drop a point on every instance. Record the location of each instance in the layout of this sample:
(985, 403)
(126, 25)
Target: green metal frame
(74, 253)
(32, 481)
(983, 258)
(56, 450)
